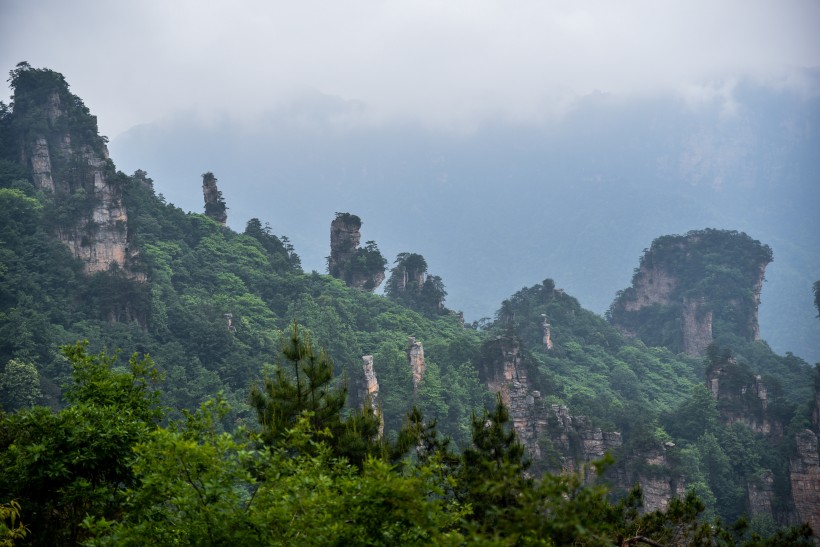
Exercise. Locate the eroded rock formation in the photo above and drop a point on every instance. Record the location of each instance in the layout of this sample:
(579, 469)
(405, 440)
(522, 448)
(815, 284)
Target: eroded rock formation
(804, 469)
(741, 396)
(362, 268)
(686, 285)
(658, 483)
(371, 389)
(804, 474)
(760, 494)
(69, 162)
(214, 203)
(415, 356)
(697, 326)
(547, 329)
(555, 439)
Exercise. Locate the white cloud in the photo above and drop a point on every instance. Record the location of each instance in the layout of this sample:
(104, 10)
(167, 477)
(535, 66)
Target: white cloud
(450, 64)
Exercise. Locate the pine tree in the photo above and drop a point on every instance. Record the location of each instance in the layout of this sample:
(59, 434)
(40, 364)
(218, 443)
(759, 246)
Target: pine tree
(304, 387)
(492, 474)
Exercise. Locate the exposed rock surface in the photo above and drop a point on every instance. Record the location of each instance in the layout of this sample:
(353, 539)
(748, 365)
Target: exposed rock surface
(653, 284)
(415, 355)
(804, 474)
(214, 203)
(697, 326)
(804, 470)
(73, 167)
(760, 494)
(371, 389)
(741, 397)
(547, 329)
(687, 285)
(362, 268)
(555, 439)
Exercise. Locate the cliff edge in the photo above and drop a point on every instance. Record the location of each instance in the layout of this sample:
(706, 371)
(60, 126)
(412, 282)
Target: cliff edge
(691, 290)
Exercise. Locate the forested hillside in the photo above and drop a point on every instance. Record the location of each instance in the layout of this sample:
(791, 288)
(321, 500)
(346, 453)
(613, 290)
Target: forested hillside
(241, 341)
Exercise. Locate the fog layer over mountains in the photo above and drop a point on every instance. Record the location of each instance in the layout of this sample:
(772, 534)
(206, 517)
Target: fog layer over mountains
(505, 205)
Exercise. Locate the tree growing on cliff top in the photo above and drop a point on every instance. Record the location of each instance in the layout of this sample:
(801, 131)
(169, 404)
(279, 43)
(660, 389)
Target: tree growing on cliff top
(411, 285)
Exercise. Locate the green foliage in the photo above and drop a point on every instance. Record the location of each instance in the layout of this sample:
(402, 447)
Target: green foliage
(410, 284)
(19, 386)
(33, 89)
(62, 466)
(11, 527)
(305, 388)
(211, 313)
(492, 479)
(277, 249)
(368, 263)
(722, 268)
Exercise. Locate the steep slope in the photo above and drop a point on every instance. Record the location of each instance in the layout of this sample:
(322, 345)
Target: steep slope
(694, 289)
(56, 138)
(209, 304)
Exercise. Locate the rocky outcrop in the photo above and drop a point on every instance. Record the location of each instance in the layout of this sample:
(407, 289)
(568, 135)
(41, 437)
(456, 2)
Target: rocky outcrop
(577, 440)
(741, 396)
(371, 390)
(70, 163)
(546, 327)
(362, 268)
(40, 163)
(215, 207)
(760, 494)
(555, 440)
(652, 284)
(686, 285)
(415, 356)
(804, 475)
(411, 285)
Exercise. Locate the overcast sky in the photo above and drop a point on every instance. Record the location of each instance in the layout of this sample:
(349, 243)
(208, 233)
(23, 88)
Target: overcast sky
(446, 64)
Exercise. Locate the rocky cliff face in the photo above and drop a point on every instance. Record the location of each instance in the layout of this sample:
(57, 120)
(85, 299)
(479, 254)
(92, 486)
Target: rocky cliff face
(547, 330)
(362, 268)
(760, 495)
(742, 397)
(558, 441)
(555, 439)
(658, 484)
(697, 326)
(804, 474)
(69, 162)
(344, 240)
(804, 469)
(415, 356)
(690, 288)
(370, 392)
(214, 203)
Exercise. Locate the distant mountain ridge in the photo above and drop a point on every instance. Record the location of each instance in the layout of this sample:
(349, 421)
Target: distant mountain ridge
(210, 304)
(493, 209)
